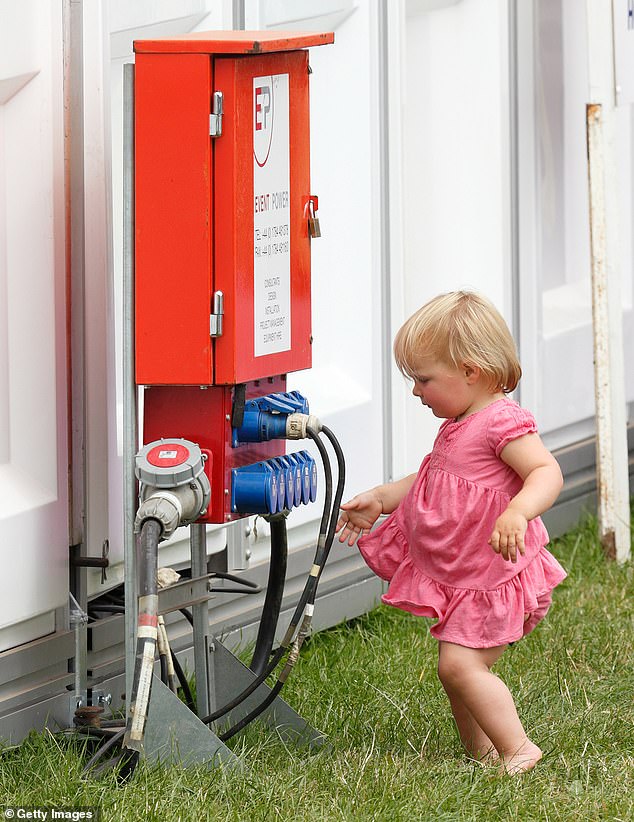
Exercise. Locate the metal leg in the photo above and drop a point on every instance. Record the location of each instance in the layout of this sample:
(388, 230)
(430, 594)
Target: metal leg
(198, 548)
(231, 677)
(175, 736)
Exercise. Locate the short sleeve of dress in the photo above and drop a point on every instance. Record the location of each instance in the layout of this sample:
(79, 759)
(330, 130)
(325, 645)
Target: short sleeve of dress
(508, 423)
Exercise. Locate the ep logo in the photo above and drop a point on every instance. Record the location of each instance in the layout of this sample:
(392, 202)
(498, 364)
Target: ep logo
(264, 100)
(262, 107)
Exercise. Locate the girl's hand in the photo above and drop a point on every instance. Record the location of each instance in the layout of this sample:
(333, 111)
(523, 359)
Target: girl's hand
(508, 534)
(358, 516)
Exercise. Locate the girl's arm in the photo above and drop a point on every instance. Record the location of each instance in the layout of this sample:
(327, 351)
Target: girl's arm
(360, 514)
(542, 477)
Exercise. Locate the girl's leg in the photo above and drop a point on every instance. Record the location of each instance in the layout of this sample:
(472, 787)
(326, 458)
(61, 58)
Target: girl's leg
(479, 696)
(476, 742)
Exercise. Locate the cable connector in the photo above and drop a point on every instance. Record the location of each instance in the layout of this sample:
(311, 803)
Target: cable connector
(174, 489)
(297, 424)
(162, 506)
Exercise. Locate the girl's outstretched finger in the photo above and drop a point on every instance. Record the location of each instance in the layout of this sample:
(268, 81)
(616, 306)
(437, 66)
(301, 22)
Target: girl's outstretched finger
(341, 522)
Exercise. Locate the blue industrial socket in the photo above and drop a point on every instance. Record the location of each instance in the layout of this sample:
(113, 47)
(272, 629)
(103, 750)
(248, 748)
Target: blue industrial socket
(265, 417)
(274, 484)
(254, 489)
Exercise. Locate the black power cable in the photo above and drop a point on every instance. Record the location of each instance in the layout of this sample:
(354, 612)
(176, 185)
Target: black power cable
(274, 593)
(332, 523)
(187, 693)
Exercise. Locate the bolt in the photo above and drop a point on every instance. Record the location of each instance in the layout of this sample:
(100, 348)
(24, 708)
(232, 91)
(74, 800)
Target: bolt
(247, 554)
(88, 716)
(227, 417)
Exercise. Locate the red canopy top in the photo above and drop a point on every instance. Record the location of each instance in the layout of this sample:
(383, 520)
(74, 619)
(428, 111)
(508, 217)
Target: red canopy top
(234, 42)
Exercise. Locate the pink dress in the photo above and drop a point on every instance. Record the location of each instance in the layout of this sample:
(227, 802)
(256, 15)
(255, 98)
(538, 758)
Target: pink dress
(433, 549)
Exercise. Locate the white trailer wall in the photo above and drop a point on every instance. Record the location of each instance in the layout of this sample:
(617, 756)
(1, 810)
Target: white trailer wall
(554, 246)
(456, 186)
(33, 387)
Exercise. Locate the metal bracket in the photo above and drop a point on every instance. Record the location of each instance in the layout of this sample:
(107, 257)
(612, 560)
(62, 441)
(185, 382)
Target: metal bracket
(215, 118)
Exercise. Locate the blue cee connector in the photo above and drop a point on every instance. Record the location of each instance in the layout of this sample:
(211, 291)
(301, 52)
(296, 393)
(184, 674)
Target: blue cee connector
(254, 489)
(274, 484)
(265, 417)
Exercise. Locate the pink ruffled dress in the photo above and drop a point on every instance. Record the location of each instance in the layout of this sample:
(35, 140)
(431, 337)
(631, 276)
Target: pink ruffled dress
(433, 549)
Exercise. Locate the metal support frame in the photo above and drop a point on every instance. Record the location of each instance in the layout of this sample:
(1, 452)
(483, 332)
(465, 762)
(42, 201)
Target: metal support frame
(386, 248)
(75, 217)
(130, 423)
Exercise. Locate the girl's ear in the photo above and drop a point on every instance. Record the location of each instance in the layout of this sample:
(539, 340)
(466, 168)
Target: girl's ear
(472, 372)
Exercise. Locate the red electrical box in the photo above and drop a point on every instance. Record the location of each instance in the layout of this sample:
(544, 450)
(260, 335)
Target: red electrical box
(222, 207)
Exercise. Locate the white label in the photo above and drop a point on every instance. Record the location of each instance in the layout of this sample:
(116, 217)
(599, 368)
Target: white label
(271, 215)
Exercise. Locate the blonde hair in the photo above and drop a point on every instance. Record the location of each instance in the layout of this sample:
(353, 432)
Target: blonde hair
(456, 328)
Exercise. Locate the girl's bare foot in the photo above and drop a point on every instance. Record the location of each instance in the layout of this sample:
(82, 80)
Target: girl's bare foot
(524, 759)
(490, 757)
(486, 756)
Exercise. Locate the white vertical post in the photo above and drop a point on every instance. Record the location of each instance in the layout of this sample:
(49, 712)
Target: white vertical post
(610, 405)
(130, 411)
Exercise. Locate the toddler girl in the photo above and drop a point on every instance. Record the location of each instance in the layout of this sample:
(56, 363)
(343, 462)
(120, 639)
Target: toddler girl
(464, 543)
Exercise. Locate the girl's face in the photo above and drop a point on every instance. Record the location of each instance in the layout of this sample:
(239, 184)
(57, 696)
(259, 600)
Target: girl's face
(449, 391)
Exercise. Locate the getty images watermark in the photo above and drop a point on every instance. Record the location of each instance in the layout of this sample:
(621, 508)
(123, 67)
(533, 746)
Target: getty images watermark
(48, 814)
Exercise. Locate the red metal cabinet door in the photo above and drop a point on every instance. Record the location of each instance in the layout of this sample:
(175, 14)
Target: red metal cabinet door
(173, 179)
(261, 190)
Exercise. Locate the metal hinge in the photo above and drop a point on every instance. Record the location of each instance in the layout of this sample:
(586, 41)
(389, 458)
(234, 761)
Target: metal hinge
(215, 118)
(215, 318)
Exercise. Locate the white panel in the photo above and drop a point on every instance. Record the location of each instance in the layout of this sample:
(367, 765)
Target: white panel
(306, 15)
(455, 127)
(554, 224)
(33, 478)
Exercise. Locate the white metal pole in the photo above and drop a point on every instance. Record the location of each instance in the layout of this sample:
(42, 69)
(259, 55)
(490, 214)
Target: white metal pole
(130, 420)
(610, 404)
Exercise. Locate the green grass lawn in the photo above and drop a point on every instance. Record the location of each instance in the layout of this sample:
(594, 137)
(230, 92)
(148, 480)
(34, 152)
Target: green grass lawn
(393, 752)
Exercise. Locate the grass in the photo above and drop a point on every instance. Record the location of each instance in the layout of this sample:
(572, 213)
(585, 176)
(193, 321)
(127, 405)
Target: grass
(393, 752)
